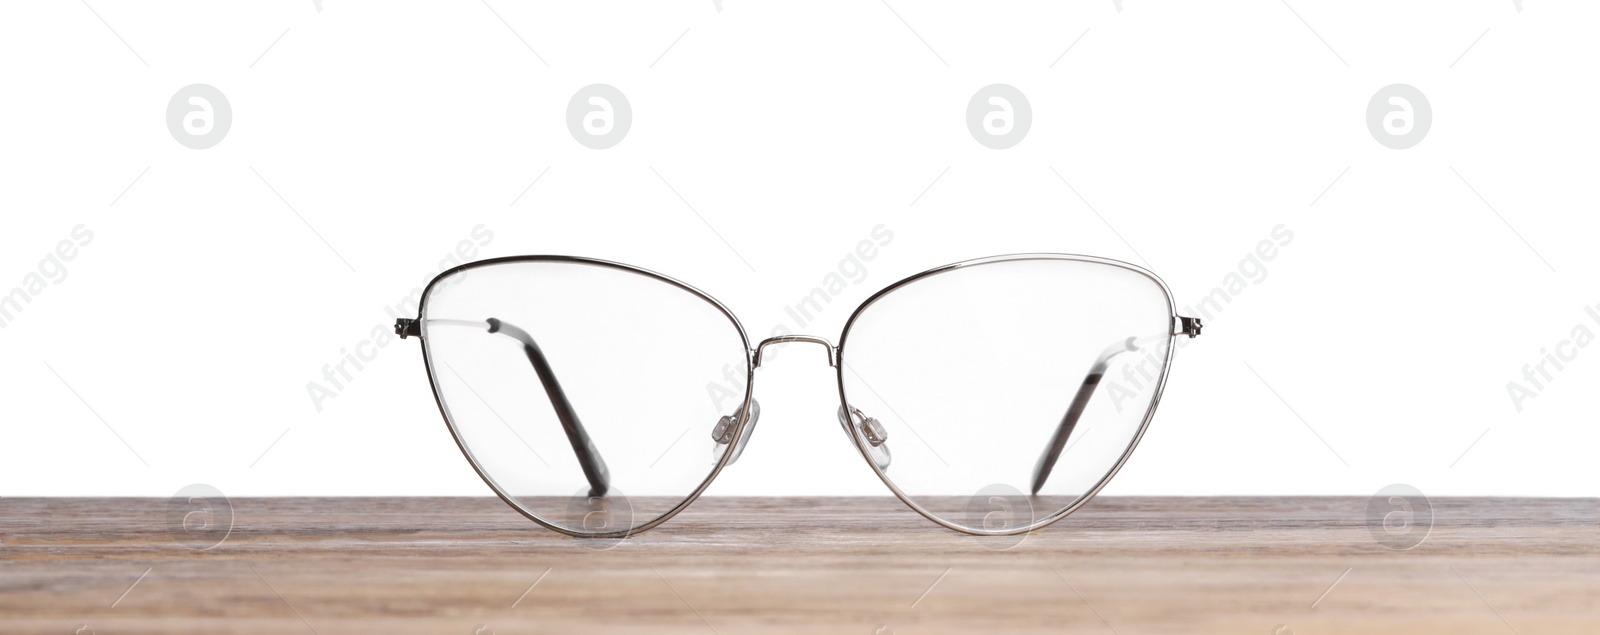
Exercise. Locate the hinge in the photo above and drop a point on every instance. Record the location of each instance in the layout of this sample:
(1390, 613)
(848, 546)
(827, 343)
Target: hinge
(1188, 326)
(406, 327)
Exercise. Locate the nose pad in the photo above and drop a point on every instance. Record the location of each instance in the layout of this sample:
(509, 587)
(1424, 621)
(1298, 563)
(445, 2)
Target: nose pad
(722, 433)
(872, 430)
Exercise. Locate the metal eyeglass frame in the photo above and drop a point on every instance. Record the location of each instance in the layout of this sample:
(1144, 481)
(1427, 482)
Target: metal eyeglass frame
(863, 435)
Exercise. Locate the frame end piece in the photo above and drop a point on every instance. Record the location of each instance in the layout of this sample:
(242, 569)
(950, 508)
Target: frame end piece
(405, 327)
(1189, 326)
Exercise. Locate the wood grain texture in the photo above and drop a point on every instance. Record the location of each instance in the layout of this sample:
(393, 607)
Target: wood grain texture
(800, 565)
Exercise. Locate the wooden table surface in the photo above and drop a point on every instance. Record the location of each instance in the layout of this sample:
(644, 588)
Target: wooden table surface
(861, 566)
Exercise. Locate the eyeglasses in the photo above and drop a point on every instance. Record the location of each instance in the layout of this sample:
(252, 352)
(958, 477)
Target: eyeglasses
(993, 396)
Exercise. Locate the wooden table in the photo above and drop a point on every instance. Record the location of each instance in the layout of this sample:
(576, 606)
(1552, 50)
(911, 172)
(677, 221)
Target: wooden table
(859, 566)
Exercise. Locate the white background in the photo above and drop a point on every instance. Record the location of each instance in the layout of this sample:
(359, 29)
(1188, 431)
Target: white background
(179, 345)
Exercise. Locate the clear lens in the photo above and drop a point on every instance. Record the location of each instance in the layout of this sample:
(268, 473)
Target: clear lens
(969, 374)
(585, 393)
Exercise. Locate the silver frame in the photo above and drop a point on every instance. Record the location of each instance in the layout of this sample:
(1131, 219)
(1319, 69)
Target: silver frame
(836, 358)
(1166, 366)
(433, 382)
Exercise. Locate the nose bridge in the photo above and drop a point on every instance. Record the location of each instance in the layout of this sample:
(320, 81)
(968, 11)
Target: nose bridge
(833, 359)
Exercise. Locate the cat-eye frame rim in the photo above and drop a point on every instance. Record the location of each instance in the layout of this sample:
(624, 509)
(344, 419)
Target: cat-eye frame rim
(413, 328)
(1180, 326)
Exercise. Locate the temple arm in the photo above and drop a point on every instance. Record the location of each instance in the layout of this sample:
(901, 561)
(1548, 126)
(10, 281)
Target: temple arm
(594, 468)
(1058, 442)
